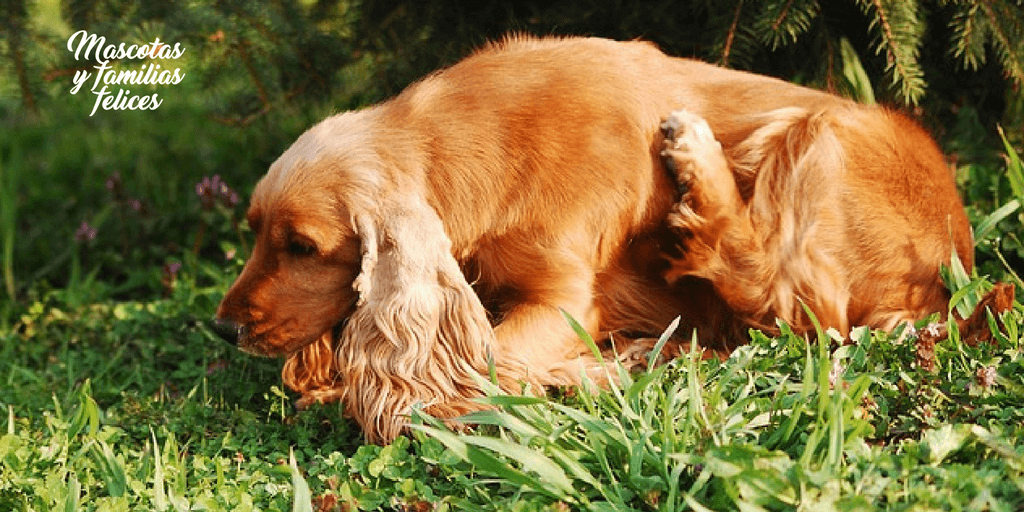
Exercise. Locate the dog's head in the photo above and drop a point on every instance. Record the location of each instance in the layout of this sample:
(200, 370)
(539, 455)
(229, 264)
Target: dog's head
(297, 284)
(346, 244)
(352, 276)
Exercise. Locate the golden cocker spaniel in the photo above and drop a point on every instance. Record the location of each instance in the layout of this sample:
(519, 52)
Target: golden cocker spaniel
(402, 247)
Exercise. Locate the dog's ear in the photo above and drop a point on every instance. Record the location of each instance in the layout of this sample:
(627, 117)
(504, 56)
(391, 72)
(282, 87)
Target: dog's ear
(366, 229)
(313, 372)
(419, 331)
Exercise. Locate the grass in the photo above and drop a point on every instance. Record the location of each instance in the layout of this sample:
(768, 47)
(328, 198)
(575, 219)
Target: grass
(136, 405)
(781, 424)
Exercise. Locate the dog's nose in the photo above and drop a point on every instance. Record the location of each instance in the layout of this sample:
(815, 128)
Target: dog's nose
(229, 331)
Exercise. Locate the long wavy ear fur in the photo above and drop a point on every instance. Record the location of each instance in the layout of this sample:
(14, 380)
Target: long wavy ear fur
(313, 372)
(419, 332)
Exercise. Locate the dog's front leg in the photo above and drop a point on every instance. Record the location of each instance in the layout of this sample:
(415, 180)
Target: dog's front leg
(533, 332)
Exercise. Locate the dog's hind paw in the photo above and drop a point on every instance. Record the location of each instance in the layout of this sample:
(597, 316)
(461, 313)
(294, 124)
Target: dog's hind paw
(706, 184)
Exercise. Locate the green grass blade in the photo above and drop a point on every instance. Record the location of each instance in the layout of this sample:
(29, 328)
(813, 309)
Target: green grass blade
(110, 468)
(807, 387)
(511, 400)
(582, 334)
(484, 461)
(696, 409)
(74, 494)
(585, 337)
(854, 73)
(665, 336)
(576, 469)
(837, 430)
(87, 412)
(1014, 167)
(593, 425)
(8, 225)
(988, 224)
(966, 294)
(302, 498)
(159, 489)
(531, 460)
(492, 369)
(503, 420)
(967, 297)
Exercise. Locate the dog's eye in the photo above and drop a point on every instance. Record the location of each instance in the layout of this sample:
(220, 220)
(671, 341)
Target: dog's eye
(301, 248)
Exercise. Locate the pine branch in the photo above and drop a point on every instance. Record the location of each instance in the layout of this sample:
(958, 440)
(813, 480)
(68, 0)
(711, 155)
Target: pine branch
(731, 35)
(899, 36)
(782, 22)
(969, 36)
(18, 56)
(1007, 35)
(737, 44)
(240, 47)
(979, 23)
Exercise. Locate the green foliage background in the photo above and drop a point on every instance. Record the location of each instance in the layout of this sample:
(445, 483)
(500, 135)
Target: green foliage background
(118, 395)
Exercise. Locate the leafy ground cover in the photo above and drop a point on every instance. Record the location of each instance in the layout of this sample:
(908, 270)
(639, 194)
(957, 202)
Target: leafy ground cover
(137, 406)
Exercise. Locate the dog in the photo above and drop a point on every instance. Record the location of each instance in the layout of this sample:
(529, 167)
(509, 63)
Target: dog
(405, 249)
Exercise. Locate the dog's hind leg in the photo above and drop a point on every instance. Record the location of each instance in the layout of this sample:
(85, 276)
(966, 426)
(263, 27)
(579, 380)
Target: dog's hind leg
(717, 239)
(764, 256)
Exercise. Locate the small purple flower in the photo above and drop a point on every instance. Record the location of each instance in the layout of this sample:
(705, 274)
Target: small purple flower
(170, 275)
(85, 233)
(216, 366)
(212, 189)
(205, 192)
(114, 182)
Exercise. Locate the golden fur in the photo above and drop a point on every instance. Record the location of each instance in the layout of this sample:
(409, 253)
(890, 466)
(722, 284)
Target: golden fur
(402, 246)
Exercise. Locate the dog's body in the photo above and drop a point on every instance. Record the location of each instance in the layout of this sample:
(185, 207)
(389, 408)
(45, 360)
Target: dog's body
(533, 170)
